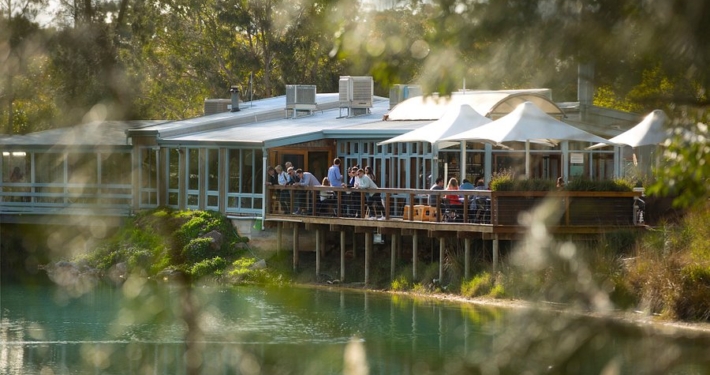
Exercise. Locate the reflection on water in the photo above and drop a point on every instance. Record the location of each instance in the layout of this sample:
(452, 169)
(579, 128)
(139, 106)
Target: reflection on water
(249, 330)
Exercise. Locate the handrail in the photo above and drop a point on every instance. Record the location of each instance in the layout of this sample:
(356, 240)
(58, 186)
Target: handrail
(500, 207)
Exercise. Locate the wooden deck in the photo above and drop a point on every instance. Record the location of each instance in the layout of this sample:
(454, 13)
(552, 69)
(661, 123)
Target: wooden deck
(506, 216)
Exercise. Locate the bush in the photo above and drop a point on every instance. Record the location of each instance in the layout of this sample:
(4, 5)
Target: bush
(198, 250)
(401, 283)
(585, 184)
(207, 267)
(478, 286)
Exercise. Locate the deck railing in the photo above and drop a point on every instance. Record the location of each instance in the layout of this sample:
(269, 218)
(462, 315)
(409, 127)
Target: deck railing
(47, 198)
(482, 207)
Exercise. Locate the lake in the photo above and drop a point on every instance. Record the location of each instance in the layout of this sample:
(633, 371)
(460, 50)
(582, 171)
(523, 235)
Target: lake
(148, 328)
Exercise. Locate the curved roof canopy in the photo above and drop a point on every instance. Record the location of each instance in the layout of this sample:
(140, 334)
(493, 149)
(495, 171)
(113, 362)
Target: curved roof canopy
(492, 104)
(647, 132)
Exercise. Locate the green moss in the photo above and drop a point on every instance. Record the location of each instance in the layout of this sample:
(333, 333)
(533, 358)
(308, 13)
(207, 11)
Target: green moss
(163, 238)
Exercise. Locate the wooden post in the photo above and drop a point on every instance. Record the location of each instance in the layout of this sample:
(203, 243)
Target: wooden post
(466, 258)
(393, 255)
(368, 255)
(279, 239)
(319, 244)
(342, 256)
(415, 245)
(495, 254)
(442, 247)
(295, 247)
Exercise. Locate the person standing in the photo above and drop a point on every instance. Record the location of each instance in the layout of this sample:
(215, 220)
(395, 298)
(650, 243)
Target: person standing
(334, 175)
(304, 179)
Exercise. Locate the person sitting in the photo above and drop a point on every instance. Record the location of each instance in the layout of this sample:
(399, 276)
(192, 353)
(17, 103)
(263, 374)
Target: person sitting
(453, 201)
(466, 185)
(479, 204)
(439, 185)
(327, 199)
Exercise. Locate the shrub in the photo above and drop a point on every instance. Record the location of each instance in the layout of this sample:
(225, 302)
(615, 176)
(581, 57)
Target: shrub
(478, 286)
(401, 283)
(585, 184)
(198, 250)
(207, 267)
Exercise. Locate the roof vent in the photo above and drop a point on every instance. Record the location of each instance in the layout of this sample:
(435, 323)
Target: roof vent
(235, 98)
(400, 93)
(300, 98)
(355, 93)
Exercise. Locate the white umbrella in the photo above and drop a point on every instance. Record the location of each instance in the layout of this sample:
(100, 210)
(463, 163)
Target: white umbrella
(526, 123)
(455, 120)
(647, 132)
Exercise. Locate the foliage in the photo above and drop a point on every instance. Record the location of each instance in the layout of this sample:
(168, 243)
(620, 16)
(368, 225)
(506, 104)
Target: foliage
(197, 250)
(671, 270)
(149, 243)
(480, 285)
(208, 267)
(685, 168)
(401, 283)
(244, 270)
(585, 184)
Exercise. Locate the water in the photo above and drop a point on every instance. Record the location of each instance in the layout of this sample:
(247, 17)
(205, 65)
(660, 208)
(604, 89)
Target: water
(141, 328)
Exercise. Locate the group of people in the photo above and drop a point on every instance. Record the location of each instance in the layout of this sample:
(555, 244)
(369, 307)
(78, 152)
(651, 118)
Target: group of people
(452, 204)
(357, 178)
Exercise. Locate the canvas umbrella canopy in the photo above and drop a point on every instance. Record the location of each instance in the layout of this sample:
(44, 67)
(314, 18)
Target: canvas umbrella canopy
(455, 120)
(647, 132)
(526, 123)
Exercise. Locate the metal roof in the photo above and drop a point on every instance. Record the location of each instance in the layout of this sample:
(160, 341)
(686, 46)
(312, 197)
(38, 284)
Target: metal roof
(93, 134)
(491, 104)
(273, 129)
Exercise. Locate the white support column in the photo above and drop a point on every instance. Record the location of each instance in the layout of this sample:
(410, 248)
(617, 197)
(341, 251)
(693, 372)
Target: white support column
(488, 163)
(565, 160)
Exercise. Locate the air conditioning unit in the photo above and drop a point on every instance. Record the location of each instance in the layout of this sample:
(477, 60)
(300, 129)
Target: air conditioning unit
(400, 93)
(355, 93)
(300, 98)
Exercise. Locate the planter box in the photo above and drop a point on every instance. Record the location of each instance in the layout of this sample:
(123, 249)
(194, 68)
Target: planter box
(582, 208)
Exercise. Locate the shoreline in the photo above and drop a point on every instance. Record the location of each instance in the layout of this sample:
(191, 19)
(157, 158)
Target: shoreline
(635, 318)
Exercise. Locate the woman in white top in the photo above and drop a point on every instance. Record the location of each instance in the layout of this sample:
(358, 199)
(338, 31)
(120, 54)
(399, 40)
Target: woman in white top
(366, 183)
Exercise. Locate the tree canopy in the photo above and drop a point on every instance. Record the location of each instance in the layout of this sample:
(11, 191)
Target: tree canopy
(137, 59)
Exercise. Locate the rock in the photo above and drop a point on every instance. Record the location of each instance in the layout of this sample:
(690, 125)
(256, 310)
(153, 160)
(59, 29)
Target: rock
(215, 239)
(258, 265)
